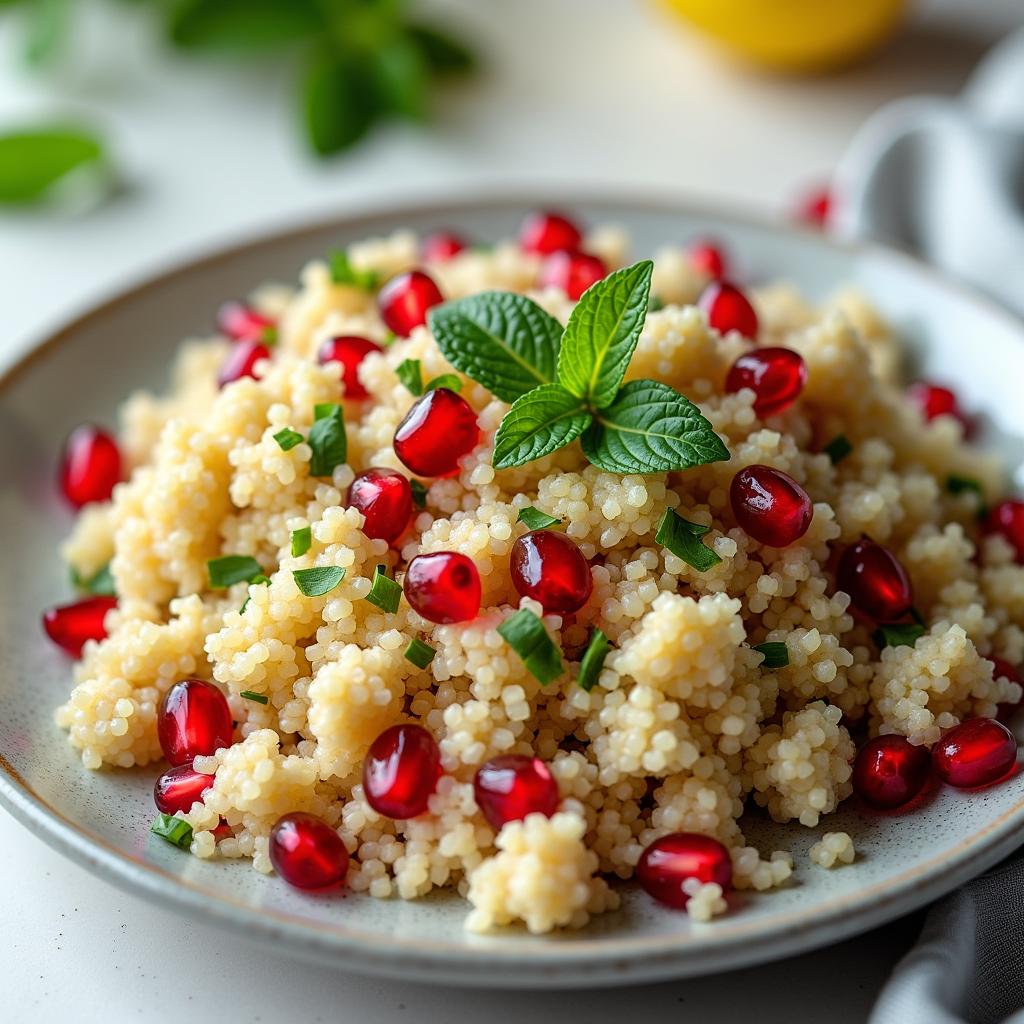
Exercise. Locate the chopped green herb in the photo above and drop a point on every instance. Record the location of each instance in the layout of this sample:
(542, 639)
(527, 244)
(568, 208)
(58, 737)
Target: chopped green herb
(655, 303)
(385, 593)
(319, 580)
(269, 335)
(302, 540)
(253, 582)
(838, 448)
(446, 380)
(960, 484)
(288, 439)
(259, 698)
(776, 654)
(419, 653)
(410, 374)
(230, 569)
(101, 584)
(537, 520)
(342, 272)
(525, 634)
(328, 440)
(898, 634)
(419, 493)
(174, 830)
(683, 539)
(593, 659)
(389, 339)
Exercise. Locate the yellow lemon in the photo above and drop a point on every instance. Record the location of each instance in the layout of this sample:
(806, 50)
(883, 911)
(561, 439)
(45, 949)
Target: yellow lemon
(795, 35)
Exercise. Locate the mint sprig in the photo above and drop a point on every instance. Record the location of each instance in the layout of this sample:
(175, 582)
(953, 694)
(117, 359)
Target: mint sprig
(542, 421)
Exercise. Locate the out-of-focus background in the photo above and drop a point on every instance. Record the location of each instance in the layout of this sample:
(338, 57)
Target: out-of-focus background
(192, 124)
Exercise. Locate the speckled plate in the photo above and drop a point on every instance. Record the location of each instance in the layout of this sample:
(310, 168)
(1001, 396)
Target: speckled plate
(101, 819)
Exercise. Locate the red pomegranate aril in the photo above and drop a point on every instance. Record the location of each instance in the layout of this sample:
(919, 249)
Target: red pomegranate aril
(728, 309)
(509, 787)
(194, 718)
(307, 853)
(573, 272)
(443, 586)
(400, 771)
(404, 301)
(442, 246)
(349, 350)
(90, 465)
(239, 322)
(770, 505)
(70, 625)
(877, 583)
(437, 431)
(550, 568)
(975, 753)
(385, 499)
(815, 208)
(669, 862)
(890, 771)
(775, 375)
(935, 401)
(545, 232)
(1007, 519)
(179, 788)
(241, 362)
(707, 259)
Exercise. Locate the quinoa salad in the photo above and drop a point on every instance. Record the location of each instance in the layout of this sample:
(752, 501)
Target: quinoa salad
(527, 568)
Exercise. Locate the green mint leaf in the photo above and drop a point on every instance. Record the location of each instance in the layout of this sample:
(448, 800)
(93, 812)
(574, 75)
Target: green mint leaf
(776, 654)
(400, 75)
(524, 632)
(419, 653)
(328, 440)
(339, 101)
(176, 831)
(959, 484)
(654, 304)
(288, 439)
(258, 698)
(230, 569)
(838, 448)
(101, 584)
(444, 55)
(242, 25)
(542, 421)
(502, 340)
(385, 593)
(342, 272)
(419, 492)
(446, 380)
(898, 634)
(34, 160)
(602, 333)
(683, 539)
(302, 540)
(319, 580)
(409, 372)
(48, 24)
(255, 581)
(651, 428)
(537, 520)
(593, 659)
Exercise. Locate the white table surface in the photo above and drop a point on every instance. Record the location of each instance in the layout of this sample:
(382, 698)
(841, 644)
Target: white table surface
(595, 91)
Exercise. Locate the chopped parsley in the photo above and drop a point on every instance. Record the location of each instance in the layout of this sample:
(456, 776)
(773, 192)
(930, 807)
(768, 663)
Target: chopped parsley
(327, 438)
(302, 540)
(838, 448)
(230, 569)
(525, 634)
(683, 539)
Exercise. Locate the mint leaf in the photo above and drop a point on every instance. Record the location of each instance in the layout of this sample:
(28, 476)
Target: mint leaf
(683, 539)
(447, 380)
(593, 660)
(242, 25)
(342, 272)
(651, 428)
(408, 371)
(524, 632)
(503, 341)
(400, 73)
(339, 100)
(776, 654)
(537, 520)
(327, 438)
(602, 333)
(319, 580)
(34, 160)
(230, 569)
(540, 422)
(444, 54)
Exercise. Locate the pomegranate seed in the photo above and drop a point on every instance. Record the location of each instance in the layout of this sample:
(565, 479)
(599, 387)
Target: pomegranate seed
(975, 753)
(90, 466)
(385, 499)
(1007, 518)
(405, 299)
(775, 375)
(815, 208)
(674, 859)
(242, 323)
(306, 852)
(890, 771)
(573, 272)
(876, 582)
(349, 350)
(707, 259)
(241, 362)
(443, 587)
(935, 401)
(770, 505)
(728, 309)
(551, 569)
(70, 625)
(437, 431)
(179, 788)
(509, 787)
(442, 246)
(545, 232)
(401, 770)
(194, 719)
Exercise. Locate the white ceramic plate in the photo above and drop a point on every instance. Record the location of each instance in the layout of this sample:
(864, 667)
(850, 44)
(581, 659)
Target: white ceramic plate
(101, 819)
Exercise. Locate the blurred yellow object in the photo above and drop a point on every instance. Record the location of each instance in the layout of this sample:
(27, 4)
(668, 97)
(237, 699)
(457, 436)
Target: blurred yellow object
(795, 35)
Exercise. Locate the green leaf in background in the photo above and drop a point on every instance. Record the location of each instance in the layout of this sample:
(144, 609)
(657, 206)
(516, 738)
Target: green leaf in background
(242, 25)
(651, 428)
(502, 340)
(34, 160)
(602, 333)
(401, 78)
(444, 54)
(48, 29)
(339, 101)
(542, 421)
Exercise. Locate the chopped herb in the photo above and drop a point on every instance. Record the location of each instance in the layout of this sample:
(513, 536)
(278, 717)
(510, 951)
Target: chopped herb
(525, 634)
(655, 303)
(960, 484)
(269, 335)
(409, 373)
(537, 520)
(230, 569)
(101, 584)
(302, 540)
(385, 593)
(389, 339)
(838, 448)
(259, 698)
(419, 493)
(683, 539)
(593, 659)
(174, 830)
(288, 439)
(446, 380)
(342, 272)
(319, 580)
(327, 439)
(419, 653)
(898, 634)
(776, 654)
(253, 582)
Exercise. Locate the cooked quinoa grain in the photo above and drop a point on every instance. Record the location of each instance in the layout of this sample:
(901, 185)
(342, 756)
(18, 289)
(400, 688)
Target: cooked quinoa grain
(833, 850)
